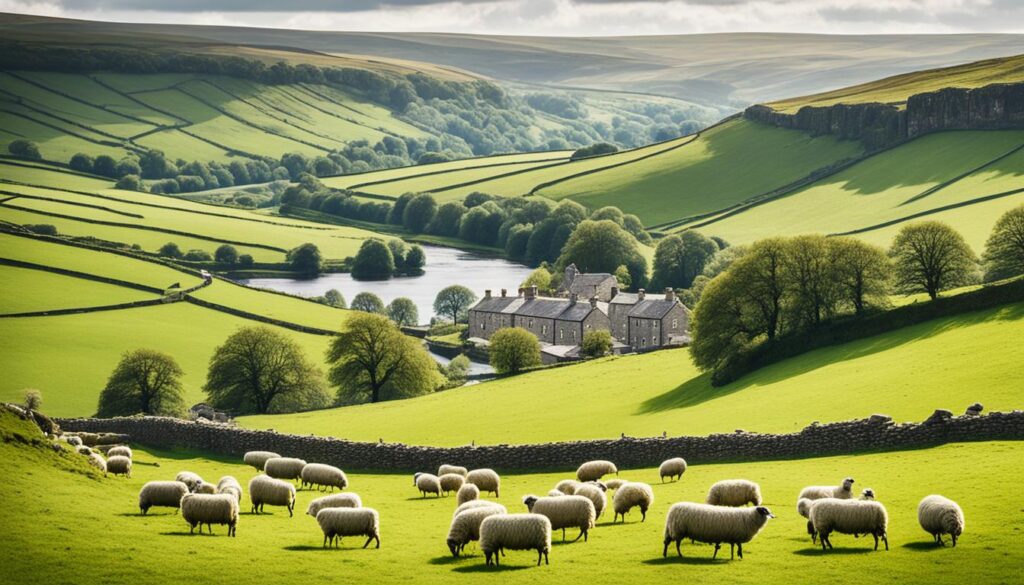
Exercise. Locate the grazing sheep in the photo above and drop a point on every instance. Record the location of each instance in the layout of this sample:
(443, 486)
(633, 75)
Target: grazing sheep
(515, 532)
(939, 515)
(323, 476)
(567, 486)
(284, 467)
(275, 492)
(857, 517)
(210, 509)
(229, 485)
(84, 450)
(713, 525)
(565, 512)
(467, 493)
(258, 458)
(205, 488)
(592, 470)
(190, 479)
(97, 461)
(734, 492)
(474, 504)
(427, 483)
(555, 494)
(672, 468)
(451, 482)
(341, 522)
(119, 465)
(166, 494)
(485, 479)
(349, 500)
(445, 469)
(123, 451)
(466, 527)
(74, 440)
(596, 494)
(614, 484)
(867, 494)
(631, 495)
(842, 491)
(803, 507)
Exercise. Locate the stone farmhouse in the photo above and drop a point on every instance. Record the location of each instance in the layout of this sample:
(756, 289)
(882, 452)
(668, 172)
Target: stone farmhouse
(555, 321)
(587, 286)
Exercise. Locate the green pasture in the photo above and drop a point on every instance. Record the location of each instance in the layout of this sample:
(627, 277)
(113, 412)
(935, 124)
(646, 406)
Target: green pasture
(54, 144)
(49, 176)
(86, 87)
(23, 290)
(273, 305)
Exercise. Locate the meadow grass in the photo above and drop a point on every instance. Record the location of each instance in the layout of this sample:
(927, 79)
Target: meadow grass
(23, 290)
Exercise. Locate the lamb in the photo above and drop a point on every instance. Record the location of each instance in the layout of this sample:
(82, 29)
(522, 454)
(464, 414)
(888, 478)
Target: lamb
(672, 468)
(445, 469)
(427, 483)
(204, 488)
(515, 532)
(467, 493)
(857, 517)
(341, 522)
(122, 450)
(485, 479)
(565, 512)
(466, 527)
(323, 476)
(474, 504)
(631, 495)
(595, 493)
(119, 465)
(210, 509)
(713, 525)
(258, 458)
(165, 494)
(190, 479)
(349, 500)
(592, 470)
(938, 515)
(284, 467)
(734, 492)
(97, 461)
(842, 491)
(614, 484)
(451, 482)
(267, 490)
(230, 485)
(567, 486)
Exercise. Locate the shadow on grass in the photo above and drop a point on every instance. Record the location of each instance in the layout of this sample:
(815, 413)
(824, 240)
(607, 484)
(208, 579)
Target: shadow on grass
(483, 567)
(141, 515)
(450, 560)
(925, 546)
(196, 534)
(674, 559)
(817, 552)
(308, 548)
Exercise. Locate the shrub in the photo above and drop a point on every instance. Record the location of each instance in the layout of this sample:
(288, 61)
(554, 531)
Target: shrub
(197, 255)
(25, 149)
(513, 349)
(246, 261)
(170, 250)
(596, 343)
(226, 254)
(81, 162)
(374, 261)
(594, 150)
(305, 260)
(33, 399)
(44, 229)
(130, 183)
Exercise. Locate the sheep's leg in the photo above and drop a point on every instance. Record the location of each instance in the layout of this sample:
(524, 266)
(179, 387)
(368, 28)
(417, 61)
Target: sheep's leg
(715, 555)
(740, 547)
(679, 552)
(643, 515)
(876, 541)
(540, 555)
(563, 535)
(582, 534)
(732, 551)
(368, 541)
(824, 541)
(546, 558)
(938, 537)
(885, 539)
(953, 536)
(325, 541)
(664, 550)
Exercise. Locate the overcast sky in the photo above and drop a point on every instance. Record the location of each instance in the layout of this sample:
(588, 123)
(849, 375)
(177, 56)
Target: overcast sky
(559, 17)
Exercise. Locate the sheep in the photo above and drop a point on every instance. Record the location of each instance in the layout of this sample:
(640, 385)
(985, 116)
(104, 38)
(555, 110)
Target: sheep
(210, 509)
(856, 517)
(565, 512)
(803, 507)
(467, 493)
(474, 504)
(555, 494)
(713, 525)
(938, 515)
(451, 482)
(466, 527)
(74, 440)
(264, 489)
(592, 470)
(324, 476)
(284, 467)
(258, 458)
(630, 495)
(485, 479)
(84, 450)
(349, 500)
(515, 532)
(842, 491)
(427, 483)
(734, 492)
(97, 461)
(445, 469)
(119, 465)
(672, 468)
(594, 493)
(190, 479)
(567, 486)
(341, 522)
(614, 484)
(122, 450)
(867, 494)
(165, 494)
(204, 488)
(230, 485)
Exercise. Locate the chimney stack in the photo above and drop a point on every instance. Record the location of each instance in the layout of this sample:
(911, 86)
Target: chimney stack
(670, 295)
(573, 297)
(532, 292)
(593, 302)
(504, 293)
(615, 292)
(521, 291)
(487, 294)
(640, 294)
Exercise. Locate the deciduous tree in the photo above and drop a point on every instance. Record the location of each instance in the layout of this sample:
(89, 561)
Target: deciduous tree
(144, 381)
(931, 257)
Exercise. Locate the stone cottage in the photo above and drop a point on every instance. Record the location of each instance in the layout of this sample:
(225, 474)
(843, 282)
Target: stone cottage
(555, 321)
(587, 286)
(652, 323)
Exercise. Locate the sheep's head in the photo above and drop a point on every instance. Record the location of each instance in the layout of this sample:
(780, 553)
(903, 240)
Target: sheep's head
(453, 546)
(601, 486)
(530, 501)
(868, 494)
(763, 511)
(416, 477)
(848, 483)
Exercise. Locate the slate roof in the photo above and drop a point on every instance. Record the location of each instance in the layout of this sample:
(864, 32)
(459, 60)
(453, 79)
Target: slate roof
(543, 308)
(494, 304)
(590, 279)
(540, 307)
(625, 298)
(652, 308)
(577, 312)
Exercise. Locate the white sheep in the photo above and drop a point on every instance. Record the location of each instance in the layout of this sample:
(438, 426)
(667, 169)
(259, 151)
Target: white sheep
(593, 470)
(323, 476)
(713, 525)
(227, 480)
(97, 461)
(555, 493)
(614, 484)
(843, 491)
(465, 527)
(596, 494)
(734, 492)
(230, 485)
(445, 469)
(427, 483)
(467, 493)
(268, 490)
(567, 486)
(204, 488)
(341, 522)
(565, 512)
(284, 467)
(123, 450)
(632, 494)
(486, 479)
(349, 500)
(867, 494)
(74, 440)
(451, 482)
(258, 458)
(166, 494)
(119, 465)
(938, 515)
(190, 479)
(210, 509)
(855, 517)
(84, 450)
(474, 504)
(515, 532)
(672, 468)
(803, 507)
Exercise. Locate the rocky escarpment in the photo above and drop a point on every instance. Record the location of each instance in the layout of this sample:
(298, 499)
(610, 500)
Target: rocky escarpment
(876, 125)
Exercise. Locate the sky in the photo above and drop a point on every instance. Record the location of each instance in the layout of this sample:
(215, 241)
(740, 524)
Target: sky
(559, 17)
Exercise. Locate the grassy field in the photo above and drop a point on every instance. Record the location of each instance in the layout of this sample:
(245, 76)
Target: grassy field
(23, 290)
(146, 549)
(906, 374)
